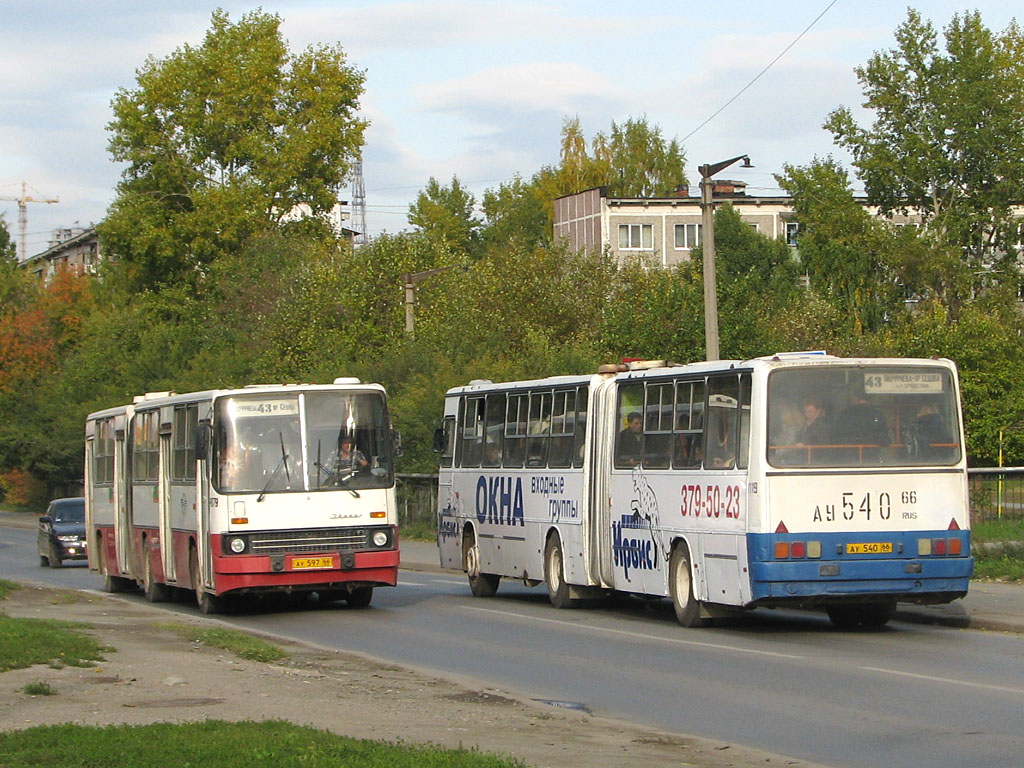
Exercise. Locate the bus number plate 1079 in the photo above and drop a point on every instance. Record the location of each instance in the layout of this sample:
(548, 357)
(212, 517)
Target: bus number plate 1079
(311, 563)
(870, 548)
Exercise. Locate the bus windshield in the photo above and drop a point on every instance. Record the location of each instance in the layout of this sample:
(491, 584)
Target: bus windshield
(857, 416)
(313, 441)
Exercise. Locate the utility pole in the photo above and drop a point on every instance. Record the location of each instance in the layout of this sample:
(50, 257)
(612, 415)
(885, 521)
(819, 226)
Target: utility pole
(23, 202)
(707, 247)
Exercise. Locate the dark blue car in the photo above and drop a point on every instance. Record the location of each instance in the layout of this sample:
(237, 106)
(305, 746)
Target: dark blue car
(62, 532)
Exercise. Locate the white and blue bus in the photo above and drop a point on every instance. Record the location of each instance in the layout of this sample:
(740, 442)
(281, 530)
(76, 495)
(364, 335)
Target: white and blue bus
(800, 479)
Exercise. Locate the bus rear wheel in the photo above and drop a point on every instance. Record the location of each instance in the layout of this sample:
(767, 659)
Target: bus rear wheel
(870, 615)
(554, 574)
(680, 585)
(480, 584)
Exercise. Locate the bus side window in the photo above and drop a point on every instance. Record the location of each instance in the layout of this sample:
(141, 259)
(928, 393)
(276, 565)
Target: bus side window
(658, 425)
(689, 435)
(471, 432)
(494, 431)
(630, 440)
(562, 425)
(580, 427)
(515, 430)
(540, 427)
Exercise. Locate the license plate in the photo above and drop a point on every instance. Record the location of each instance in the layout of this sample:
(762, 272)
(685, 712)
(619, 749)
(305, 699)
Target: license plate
(312, 563)
(870, 548)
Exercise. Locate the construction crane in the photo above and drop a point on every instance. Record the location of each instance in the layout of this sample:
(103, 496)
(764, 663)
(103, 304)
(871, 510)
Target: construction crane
(23, 202)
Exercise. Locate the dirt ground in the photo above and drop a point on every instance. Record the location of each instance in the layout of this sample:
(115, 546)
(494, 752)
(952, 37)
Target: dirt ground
(154, 675)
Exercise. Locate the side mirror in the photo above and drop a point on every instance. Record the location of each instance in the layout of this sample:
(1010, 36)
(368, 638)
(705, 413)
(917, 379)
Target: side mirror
(203, 441)
(396, 443)
(45, 520)
(439, 441)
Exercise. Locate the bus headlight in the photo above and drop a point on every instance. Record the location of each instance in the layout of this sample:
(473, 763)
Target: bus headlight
(236, 544)
(380, 538)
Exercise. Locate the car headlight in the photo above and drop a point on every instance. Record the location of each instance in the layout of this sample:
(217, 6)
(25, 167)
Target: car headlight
(237, 545)
(380, 538)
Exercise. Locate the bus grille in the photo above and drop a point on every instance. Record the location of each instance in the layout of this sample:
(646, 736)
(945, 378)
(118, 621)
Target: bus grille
(280, 542)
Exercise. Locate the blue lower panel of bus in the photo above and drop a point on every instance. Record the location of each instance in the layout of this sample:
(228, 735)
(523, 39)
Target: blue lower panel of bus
(916, 566)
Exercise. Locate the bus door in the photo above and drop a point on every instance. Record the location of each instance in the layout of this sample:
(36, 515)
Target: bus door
(122, 502)
(164, 502)
(204, 501)
(597, 478)
(449, 528)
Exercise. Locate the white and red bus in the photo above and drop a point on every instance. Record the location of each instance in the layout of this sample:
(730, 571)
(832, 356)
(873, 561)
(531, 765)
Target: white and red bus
(277, 488)
(793, 480)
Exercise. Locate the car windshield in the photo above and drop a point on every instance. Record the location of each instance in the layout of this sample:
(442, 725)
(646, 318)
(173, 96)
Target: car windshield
(856, 416)
(69, 512)
(321, 440)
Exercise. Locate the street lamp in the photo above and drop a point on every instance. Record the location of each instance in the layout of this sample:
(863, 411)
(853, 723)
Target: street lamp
(707, 209)
(409, 279)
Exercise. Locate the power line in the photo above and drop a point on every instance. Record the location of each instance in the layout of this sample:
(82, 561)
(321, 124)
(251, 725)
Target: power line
(758, 76)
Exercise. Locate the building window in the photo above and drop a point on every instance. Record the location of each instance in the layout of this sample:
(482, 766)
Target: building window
(687, 236)
(636, 237)
(792, 232)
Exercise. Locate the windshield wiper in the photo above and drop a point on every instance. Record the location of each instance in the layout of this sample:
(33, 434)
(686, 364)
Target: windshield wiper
(338, 477)
(282, 463)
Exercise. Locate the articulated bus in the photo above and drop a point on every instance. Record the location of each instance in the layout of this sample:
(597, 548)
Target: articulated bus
(799, 479)
(277, 488)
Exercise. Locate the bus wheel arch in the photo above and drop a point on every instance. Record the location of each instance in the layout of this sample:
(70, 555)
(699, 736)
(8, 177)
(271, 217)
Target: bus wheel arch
(680, 584)
(208, 603)
(554, 572)
(155, 591)
(480, 584)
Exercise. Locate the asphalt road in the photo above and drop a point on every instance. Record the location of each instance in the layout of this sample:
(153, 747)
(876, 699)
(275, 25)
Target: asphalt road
(787, 682)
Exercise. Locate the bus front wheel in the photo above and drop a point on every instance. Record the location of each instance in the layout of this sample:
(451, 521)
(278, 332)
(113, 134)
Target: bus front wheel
(686, 606)
(155, 591)
(554, 575)
(208, 603)
(480, 584)
(359, 597)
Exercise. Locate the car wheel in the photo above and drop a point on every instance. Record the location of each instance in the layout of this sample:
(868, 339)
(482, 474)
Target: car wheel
(55, 559)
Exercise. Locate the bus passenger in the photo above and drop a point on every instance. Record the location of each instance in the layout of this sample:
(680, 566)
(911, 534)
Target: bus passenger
(816, 427)
(629, 447)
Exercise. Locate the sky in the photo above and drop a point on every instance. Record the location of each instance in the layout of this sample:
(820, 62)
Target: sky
(470, 88)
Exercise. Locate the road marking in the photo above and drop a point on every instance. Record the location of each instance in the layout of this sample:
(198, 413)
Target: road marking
(946, 680)
(635, 636)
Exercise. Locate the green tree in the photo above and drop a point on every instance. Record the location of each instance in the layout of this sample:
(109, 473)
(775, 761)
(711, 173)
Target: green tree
(8, 253)
(222, 142)
(446, 215)
(948, 134)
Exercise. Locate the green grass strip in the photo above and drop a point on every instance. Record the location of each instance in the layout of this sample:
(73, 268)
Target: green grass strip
(25, 642)
(242, 645)
(220, 744)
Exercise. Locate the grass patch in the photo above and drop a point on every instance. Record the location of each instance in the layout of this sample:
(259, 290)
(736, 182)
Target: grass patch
(998, 529)
(1003, 568)
(6, 587)
(419, 530)
(25, 642)
(220, 744)
(39, 689)
(1000, 564)
(239, 643)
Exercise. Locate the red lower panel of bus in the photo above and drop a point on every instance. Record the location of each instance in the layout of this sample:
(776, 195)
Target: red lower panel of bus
(249, 572)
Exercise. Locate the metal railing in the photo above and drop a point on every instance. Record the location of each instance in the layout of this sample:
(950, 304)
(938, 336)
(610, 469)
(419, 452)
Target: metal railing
(417, 499)
(996, 493)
